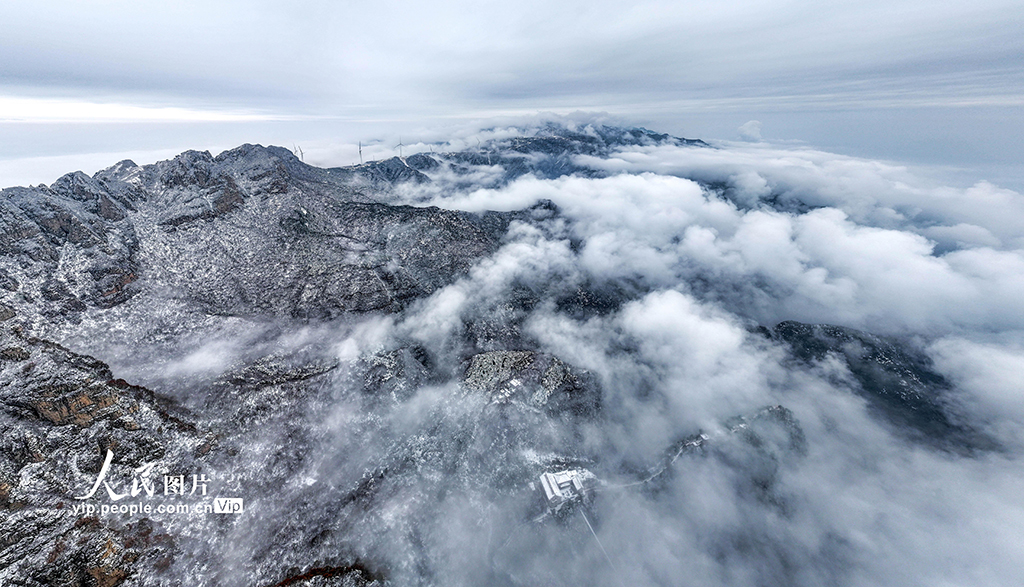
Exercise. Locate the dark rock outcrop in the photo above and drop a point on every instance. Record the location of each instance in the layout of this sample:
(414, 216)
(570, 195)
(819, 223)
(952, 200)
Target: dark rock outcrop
(554, 150)
(898, 381)
(60, 413)
(533, 380)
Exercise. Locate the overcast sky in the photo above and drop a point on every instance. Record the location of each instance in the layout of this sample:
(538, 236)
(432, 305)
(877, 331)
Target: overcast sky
(936, 82)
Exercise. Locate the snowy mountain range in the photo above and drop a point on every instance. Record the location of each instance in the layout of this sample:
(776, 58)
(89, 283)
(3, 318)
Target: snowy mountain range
(381, 359)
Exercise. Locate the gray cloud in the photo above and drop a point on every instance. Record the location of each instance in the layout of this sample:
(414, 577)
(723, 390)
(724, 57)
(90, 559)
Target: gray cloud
(933, 83)
(305, 58)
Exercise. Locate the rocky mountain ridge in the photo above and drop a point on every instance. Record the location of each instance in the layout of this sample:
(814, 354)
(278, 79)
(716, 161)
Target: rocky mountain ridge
(327, 447)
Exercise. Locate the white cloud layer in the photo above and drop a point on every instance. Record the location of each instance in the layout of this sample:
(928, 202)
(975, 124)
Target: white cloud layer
(878, 248)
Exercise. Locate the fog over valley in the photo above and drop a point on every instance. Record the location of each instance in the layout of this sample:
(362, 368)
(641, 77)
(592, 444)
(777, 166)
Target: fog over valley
(549, 351)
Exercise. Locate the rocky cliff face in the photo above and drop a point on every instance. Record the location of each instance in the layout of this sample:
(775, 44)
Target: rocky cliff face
(252, 233)
(194, 227)
(61, 413)
(360, 462)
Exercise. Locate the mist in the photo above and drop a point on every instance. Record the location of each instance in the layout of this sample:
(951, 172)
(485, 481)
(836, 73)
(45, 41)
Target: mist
(396, 459)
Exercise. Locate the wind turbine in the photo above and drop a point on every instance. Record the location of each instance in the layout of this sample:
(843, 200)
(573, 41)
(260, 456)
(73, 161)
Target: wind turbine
(400, 145)
(360, 152)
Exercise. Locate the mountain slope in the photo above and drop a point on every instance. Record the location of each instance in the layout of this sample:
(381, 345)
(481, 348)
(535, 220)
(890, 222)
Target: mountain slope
(383, 384)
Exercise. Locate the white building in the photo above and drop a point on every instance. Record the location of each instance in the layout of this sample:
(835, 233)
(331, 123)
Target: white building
(564, 487)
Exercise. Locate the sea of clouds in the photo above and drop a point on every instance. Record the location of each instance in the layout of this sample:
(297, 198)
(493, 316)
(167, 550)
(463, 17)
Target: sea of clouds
(701, 245)
(715, 240)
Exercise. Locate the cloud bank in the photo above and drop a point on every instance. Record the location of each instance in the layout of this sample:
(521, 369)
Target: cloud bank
(686, 250)
(935, 83)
